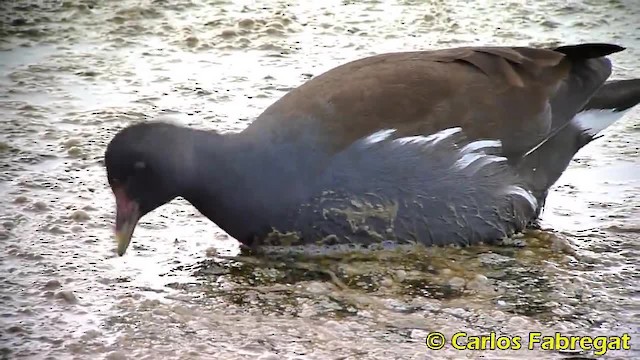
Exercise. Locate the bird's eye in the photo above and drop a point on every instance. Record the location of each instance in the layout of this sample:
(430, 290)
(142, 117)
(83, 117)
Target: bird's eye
(139, 165)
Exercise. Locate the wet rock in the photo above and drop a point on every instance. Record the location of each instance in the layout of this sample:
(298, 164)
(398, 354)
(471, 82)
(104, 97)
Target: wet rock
(56, 230)
(274, 31)
(91, 335)
(514, 241)
(563, 311)
(285, 20)
(211, 252)
(517, 322)
(160, 312)
(116, 355)
(244, 42)
(150, 304)
(561, 244)
(532, 241)
(457, 282)
(192, 41)
(419, 334)
(213, 270)
(387, 282)
(19, 22)
(494, 259)
(246, 23)
(275, 25)
(228, 33)
(479, 282)
(446, 272)
(307, 311)
(75, 152)
(255, 350)
(80, 216)
(4, 234)
(50, 135)
(31, 256)
(527, 254)
(16, 329)
(182, 311)
(544, 236)
(104, 281)
(269, 356)
(318, 288)
(533, 232)
(349, 270)
(458, 312)
(21, 199)
(498, 315)
(40, 206)
(88, 73)
(400, 275)
(71, 143)
(335, 326)
(52, 284)
(67, 296)
(89, 208)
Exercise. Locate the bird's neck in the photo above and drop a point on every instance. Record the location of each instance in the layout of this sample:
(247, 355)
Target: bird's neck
(246, 185)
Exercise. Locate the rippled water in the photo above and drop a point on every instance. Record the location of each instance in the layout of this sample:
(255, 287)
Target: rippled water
(74, 72)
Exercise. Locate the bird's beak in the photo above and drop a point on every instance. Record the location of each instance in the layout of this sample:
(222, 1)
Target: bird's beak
(127, 216)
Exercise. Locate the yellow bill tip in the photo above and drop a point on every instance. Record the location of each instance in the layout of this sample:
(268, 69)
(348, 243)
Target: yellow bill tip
(123, 243)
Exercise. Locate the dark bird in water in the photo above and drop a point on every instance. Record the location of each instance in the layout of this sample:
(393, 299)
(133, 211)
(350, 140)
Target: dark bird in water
(452, 146)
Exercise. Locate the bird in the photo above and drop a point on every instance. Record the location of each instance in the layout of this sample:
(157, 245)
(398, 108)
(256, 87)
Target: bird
(453, 146)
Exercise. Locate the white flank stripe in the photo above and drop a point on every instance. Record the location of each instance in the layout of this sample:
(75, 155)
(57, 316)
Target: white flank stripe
(517, 190)
(430, 139)
(481, 144)
(379, 136)
(412, 140)
(477, 161)
(441, 135)
(594, 121)
(467, 159)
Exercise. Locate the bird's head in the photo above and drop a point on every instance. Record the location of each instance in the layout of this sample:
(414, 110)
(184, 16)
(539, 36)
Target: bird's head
(147, 166)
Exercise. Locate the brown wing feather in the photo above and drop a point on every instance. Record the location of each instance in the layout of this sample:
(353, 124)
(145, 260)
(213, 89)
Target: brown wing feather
(492, 92)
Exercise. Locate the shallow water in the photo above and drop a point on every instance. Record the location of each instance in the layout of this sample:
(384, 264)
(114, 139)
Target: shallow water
(74, 72)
